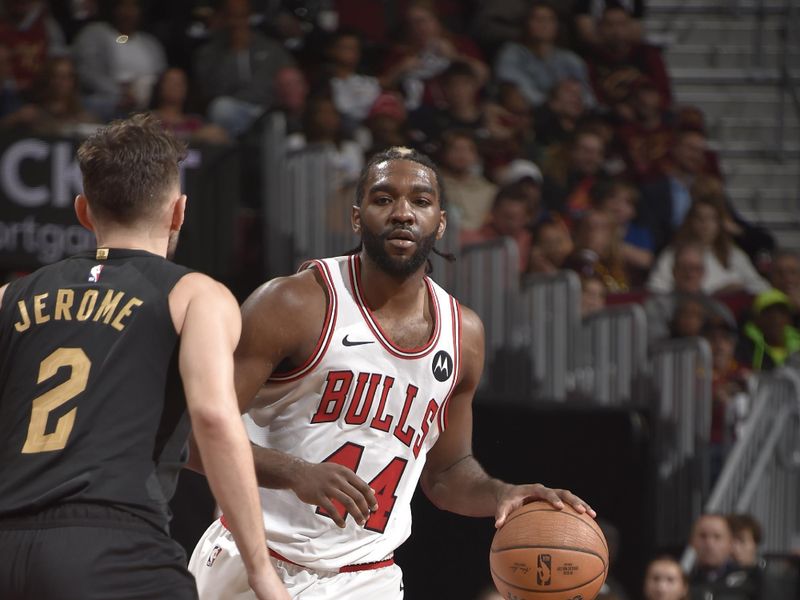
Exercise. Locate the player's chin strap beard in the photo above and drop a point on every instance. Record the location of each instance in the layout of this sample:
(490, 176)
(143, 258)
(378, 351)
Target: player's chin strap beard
(448, 256)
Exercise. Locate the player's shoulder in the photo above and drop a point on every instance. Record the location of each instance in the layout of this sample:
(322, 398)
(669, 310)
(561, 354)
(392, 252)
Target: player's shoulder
(471, 326)
(297, 294)
(198, 285)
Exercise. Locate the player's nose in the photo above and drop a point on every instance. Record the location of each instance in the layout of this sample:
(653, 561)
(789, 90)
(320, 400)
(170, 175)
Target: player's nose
(402, 211)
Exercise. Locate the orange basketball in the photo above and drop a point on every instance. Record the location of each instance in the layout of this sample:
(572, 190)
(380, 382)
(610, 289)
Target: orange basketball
(542, 553)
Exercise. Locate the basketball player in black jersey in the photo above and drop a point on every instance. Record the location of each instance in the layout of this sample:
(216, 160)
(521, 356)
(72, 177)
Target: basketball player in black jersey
(101, 356)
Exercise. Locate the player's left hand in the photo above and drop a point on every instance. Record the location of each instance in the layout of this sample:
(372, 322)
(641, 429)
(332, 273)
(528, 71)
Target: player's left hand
(511, 497)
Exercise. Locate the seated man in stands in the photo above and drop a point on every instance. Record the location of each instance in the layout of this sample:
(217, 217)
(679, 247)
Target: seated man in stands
(769, 338)
(688, 271)
(715, 572)
(510, 217)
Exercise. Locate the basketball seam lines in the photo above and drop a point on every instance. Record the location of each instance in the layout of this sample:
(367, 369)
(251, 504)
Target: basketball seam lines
(605, 545)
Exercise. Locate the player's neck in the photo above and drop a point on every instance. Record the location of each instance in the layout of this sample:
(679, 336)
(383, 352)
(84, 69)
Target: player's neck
(383, 290)
(133, 240)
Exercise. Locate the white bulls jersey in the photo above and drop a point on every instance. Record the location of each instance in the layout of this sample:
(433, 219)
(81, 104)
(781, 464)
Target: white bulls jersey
(364, 403)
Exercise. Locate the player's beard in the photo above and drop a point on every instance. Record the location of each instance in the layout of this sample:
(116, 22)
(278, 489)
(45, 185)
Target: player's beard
(397, 266)
(172, 243)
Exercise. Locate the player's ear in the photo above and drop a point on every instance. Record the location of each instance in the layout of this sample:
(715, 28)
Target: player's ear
(83, 212)
(442, 225)
(355, 218)
(178, 211)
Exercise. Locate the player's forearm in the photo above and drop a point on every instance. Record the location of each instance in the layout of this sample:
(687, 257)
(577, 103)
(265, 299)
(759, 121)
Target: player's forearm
(275, 469)
(465, 489)
(228, 464)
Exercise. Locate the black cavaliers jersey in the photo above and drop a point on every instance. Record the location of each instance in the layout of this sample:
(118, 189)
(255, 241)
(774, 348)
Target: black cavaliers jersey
(91, 403)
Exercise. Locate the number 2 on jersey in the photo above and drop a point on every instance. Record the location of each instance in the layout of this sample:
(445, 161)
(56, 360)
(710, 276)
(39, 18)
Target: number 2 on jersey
(384, 483)
(38, 439)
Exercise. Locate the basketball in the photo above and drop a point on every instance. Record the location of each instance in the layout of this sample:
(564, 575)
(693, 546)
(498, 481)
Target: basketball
(542, 553)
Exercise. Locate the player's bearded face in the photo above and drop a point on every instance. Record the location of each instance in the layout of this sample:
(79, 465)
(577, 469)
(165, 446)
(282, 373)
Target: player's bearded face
(375, 245)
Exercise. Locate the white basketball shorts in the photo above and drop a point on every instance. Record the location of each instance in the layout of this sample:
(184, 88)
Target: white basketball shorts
(220, 575)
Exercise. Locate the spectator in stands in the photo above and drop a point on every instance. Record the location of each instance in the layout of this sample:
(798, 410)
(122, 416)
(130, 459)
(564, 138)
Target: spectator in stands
(727, 268)
(756, 242)
(509, 120)
(535, 63)
(118, 64)
(386, 123)
(557, 118)
(10, 98)
(647, 138)
(426, 51)
(457, 108)
(769, 338)
(322, 127)
(785, 275)
(236, 70)
(618, 198)
(291, 94)
(593, 293)
(353, 93)
(31, 36)
(495, 22)
(712, 542)
(526, 178)
(729, 389)
(169, 106)
(616, 62)
(597, 251)
(510, 217)
(666, 200)
(552, 246)
(664, 579)
(56, 107)
(587, 13)
(470, 194)
(688, 273)
(689, 318)
(746, 539)
(570, 171)
(715, 573)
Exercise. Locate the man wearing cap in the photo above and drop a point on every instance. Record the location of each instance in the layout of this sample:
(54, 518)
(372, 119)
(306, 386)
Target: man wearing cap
(769, 338)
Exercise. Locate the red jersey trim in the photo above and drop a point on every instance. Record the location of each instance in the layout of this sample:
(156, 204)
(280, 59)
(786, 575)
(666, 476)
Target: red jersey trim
(455, 309)
(327, 328)
(374, 326)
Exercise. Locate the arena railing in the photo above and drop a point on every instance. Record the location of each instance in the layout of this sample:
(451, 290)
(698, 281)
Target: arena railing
(550, 318)
(682, 374)
(762, 473)
(610, 367)
(488, 282)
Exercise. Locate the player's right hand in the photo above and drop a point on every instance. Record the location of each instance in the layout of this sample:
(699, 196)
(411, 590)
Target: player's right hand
(321, 484)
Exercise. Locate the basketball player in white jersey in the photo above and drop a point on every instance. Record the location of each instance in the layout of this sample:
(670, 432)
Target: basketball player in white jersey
(370, 370)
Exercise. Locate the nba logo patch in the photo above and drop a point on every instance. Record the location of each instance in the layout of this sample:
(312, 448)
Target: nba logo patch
(213, 556)
(94, 273)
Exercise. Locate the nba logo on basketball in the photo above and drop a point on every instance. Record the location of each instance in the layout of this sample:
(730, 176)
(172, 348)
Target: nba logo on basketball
(543, 569)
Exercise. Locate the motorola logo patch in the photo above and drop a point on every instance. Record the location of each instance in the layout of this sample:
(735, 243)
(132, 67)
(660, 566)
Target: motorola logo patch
(442, 366)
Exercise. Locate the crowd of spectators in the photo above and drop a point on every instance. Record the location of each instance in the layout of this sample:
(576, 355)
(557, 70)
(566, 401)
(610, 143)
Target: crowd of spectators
(554, 124)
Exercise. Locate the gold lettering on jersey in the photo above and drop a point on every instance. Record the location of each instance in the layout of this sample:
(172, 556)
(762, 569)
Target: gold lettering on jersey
(101, 254)
(125, 312)
(108, 306)
(38, 307)
(36, 311)
(87, 305)
(24, 320)
(64, 301)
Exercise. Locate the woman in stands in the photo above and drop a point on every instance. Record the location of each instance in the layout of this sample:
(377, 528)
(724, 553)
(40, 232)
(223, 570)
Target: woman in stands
(727, 268)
